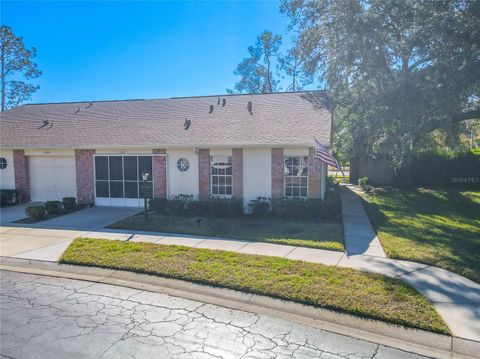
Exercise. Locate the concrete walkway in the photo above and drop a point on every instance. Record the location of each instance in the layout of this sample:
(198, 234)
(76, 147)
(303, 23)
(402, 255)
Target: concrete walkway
(457, 299)
(360, 237)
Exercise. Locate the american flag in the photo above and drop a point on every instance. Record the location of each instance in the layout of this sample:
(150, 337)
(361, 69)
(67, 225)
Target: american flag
(322, 153)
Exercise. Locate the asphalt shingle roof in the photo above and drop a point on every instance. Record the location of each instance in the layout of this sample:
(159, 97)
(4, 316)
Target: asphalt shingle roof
(276, 119)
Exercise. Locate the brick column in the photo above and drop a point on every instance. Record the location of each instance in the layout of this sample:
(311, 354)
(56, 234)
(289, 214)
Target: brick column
(204, 173)
(84, 167)
(237, 172)
(159, 173)
(314, 175)
(22, 174)
(277, 173)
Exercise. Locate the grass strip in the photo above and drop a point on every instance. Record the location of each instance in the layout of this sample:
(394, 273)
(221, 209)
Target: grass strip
(346, 290)
(321, 235)
(437, 227)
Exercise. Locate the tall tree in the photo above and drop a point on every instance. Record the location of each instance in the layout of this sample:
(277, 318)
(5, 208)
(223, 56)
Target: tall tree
(258, 70)
(16, 62)
(397, 69)
(291, 64)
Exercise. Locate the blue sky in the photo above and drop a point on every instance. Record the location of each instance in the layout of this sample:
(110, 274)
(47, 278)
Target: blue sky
(96, 50)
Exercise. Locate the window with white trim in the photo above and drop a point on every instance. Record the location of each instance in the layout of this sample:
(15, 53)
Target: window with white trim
(221, 176)
(296, 176)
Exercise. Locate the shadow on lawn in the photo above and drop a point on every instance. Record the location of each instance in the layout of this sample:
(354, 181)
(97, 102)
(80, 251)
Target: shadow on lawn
(442, 223)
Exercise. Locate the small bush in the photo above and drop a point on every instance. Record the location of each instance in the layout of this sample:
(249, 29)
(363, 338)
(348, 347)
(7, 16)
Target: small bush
(178, 204)
(8, 196)
(219, 207)
(235, 207)
(69, 203)
(365, 184)
(331, 208)
(35, 212)
(53, 207)
(198, 208)
(364, 181)
(297, 208)
(158, 205)
(260, 207)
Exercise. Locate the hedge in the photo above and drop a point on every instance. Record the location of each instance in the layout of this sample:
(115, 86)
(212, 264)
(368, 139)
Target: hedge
(430, 169)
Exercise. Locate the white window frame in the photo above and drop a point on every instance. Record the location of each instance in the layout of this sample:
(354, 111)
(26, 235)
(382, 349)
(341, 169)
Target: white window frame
(221, 158)
(285, 157)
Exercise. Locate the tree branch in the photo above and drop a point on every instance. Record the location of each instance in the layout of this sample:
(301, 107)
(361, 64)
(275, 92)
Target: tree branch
(420, 62)
(467, 115)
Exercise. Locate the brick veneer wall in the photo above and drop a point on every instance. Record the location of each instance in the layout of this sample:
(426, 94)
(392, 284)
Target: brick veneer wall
(314, 175)
(277, 173)
(237, 172)
(85, 177)
(22, 174)
(204, 173)
(159, 173)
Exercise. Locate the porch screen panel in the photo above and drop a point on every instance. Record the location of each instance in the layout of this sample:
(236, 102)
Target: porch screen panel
(101, 173)
(120, 176)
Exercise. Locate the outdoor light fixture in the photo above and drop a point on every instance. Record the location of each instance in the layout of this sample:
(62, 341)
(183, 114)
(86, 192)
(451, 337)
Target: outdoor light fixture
(145, 175)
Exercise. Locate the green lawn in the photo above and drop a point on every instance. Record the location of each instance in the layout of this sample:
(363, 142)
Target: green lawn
(436, 227)
(305, 234)
(342, 289)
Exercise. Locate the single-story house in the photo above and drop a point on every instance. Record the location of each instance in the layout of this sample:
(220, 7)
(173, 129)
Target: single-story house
(240, 146)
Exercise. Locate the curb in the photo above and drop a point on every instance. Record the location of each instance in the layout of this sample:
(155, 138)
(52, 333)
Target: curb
(397, 336)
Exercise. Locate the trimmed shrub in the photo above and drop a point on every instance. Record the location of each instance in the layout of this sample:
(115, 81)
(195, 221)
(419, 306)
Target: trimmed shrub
(198, 208)
(158, 205)
(8, 196)
(69, 203)
(219, 207)
(365, 185)
(225, 207)
(331, 205)
(442, 170)
(260, 207)
(297, 208)
(53, 207)
(235, 207)
(178, 204)
(315, 207)
(35, 212)
(363, 181)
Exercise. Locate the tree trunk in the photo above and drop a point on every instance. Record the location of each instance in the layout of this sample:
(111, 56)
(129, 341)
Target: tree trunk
(2, 74)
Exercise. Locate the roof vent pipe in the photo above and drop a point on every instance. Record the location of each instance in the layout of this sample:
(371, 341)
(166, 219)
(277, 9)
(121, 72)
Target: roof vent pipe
(211, 109)
(249, 107)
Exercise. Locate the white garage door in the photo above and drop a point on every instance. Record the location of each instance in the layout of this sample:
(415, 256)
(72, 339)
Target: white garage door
(52, 178)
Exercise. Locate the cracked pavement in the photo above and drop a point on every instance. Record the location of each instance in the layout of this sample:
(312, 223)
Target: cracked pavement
(48, 317)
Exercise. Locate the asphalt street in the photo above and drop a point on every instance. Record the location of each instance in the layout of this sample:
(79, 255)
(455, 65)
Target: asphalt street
(48, 317)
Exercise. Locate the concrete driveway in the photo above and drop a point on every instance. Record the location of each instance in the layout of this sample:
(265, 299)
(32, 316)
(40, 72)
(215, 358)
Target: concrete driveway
(13, 213)
(48, 239)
